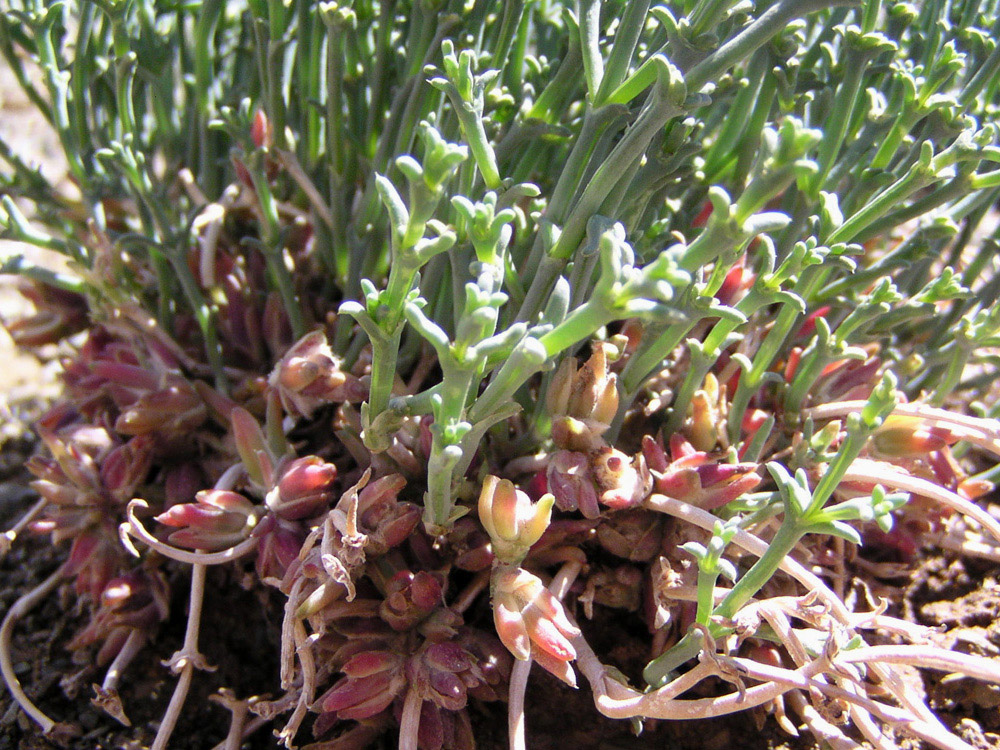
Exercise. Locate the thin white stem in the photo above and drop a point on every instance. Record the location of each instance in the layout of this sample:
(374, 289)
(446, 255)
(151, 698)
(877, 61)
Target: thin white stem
(133, 645)
(982, 432)
(8, 537)
(234, 738)
(928, 657)
(409, 723)
(822, 729)
(169, 721)
(515, 707)
(308, 690)
(516, 729)
(811, 582)
(134, 528)
(185, 660)
(864, 470)
(968, 547)
(931, 731)
(255, 724)
(287, 666)
(18, 610)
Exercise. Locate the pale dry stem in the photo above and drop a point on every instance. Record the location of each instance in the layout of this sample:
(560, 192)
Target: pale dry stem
(619, 701)
(184, 661)
(409, 724)
(19, 609)
(864, 470)
(307, 692)
(8, 537)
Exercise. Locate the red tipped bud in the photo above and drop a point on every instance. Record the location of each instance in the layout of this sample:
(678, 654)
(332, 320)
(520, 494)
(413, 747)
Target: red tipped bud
(372, 681)
(261, 131)
(572, 484)
(220, 519)
(309, 376)
(513, 522)
(624, 482)
(304, 489)
(531, 622)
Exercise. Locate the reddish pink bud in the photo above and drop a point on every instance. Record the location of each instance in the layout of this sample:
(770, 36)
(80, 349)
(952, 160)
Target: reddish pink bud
(260, 130)
(252, 447)
(175, 410)
(735, 285)
(572, 484)
(696, 477)
(701, 219)
(220, 519)
(94, 559)
(410, 598)
(309, 376)
(372, 682)
(624, 482)
(304, 489)
(387, 521)
(242, 173)
(530, 620)
(58, 314)
(808, 327)
(279, 546)
(126, 467)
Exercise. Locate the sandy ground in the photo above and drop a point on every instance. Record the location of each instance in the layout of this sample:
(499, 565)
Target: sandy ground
(30, 136)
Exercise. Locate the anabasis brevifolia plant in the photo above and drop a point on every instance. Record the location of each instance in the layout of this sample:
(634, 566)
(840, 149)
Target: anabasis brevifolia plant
(453, 323)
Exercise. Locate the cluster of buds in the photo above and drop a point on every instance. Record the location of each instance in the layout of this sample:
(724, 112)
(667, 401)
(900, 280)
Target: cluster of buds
(217, 520)
(411, 598)
(582, 481)
(136, 601)
(441, 674)
(147, 396)
(513, 522)
(582, 402)
(58, 314)
(697, 477)
(531, 621)
(88, 479)
(309, 376)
